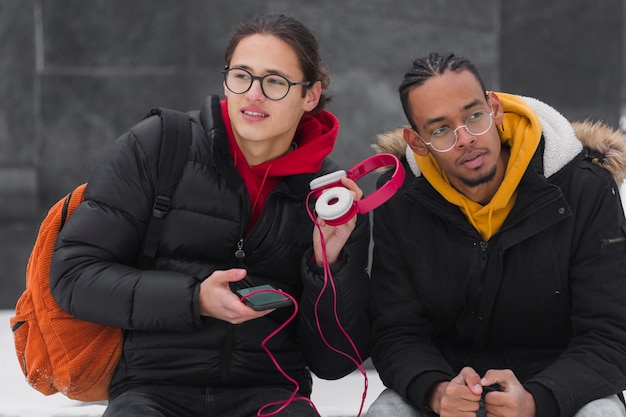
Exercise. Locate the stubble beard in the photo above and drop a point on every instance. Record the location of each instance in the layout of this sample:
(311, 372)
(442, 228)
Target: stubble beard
(475, 182)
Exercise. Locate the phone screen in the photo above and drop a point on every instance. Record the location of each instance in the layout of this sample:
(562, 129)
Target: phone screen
(264, 300)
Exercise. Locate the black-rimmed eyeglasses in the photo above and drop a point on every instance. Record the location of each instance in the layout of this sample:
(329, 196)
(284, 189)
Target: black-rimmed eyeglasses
(444, 138)
(273, 86)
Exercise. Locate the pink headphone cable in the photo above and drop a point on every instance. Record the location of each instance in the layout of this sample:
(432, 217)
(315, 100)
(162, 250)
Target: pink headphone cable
(328, 278)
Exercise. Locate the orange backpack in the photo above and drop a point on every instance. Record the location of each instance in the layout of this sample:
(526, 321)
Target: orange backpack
(57, 351)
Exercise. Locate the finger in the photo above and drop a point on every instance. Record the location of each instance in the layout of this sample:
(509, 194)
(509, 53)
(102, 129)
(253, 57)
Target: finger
(471, 379)
(352, 186)
(497, 379)
(238, 312)
(229, 275)
(246, 313)
(321, 223)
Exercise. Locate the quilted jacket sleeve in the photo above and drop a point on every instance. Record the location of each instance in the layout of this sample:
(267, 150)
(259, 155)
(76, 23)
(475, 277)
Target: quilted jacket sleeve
(338, 305)
(92, 276)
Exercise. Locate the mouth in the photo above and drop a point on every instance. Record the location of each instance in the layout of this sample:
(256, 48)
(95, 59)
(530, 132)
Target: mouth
(254, 114)
(473, 160)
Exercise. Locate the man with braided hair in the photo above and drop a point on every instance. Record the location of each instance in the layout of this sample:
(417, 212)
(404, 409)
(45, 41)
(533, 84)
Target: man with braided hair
(499, 268)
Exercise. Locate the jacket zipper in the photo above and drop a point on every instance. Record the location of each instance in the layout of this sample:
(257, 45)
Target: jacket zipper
(606, 242)
(240, 253)
(259, 229)
(226, 354)
(483, 256)
(483, 268)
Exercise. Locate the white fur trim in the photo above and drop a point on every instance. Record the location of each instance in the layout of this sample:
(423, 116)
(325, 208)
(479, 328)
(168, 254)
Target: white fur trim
(410, 158)
(562, 145)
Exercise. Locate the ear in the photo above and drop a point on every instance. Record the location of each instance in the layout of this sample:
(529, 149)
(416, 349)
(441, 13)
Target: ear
(313, 94)
(415, 143)
(498, 111)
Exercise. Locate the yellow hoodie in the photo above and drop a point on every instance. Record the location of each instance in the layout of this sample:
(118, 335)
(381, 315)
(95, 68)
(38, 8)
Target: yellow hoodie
(521, 131)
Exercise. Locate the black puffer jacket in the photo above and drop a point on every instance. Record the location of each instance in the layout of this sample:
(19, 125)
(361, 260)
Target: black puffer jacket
(166, 339)
(544, 297)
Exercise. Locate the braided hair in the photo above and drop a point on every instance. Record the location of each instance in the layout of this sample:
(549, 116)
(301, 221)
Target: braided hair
(430, 66)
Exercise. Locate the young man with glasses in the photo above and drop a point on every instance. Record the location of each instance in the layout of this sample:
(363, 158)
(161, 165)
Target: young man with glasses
(238, 219)
(499, 269)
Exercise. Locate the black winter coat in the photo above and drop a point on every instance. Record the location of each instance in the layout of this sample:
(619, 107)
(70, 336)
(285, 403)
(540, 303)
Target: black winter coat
(544, 297)
(166, 339)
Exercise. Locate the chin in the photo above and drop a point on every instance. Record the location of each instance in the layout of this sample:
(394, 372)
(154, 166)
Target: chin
(480, 179)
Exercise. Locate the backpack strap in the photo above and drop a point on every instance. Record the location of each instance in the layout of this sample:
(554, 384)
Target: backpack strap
(173, 155)
(65, 208)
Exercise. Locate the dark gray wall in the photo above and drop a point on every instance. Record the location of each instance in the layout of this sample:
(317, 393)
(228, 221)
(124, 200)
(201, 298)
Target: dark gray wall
(75, 74)
(567, 53)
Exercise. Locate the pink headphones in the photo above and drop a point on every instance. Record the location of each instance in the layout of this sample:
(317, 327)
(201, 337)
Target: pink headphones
(336, 205)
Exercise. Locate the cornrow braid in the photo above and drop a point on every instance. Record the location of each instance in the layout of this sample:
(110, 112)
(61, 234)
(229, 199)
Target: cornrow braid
(430, 66)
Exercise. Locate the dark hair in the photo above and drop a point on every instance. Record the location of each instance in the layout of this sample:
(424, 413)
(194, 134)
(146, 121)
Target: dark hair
(298, 36)
(427, 67)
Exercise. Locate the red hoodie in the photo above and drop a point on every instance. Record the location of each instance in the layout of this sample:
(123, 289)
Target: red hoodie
(315, 139)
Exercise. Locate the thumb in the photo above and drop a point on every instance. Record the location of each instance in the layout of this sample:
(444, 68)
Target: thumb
(230, 275)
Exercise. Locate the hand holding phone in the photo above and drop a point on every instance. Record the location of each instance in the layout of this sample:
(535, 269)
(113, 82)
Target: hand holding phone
(267, 298)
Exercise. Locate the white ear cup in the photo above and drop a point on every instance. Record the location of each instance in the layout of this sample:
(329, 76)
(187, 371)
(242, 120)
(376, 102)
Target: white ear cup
(328, 179)
(334, 203)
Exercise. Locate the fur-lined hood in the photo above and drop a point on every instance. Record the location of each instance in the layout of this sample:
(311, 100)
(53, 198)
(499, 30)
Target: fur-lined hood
(558, 134)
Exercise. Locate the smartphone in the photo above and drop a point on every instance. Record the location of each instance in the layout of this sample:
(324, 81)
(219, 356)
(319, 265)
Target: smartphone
(264, 300)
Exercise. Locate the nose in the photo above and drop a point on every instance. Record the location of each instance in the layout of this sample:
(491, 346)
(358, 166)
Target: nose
(463, 137)
(255, 92)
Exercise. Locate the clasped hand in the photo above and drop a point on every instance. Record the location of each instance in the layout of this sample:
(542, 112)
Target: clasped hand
(461, 396)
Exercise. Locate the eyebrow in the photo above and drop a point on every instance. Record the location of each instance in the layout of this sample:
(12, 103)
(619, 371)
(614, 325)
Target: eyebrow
(267, 72)
(434, 120)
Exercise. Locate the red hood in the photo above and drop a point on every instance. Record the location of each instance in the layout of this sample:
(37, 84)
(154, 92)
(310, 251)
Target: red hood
(315, 139)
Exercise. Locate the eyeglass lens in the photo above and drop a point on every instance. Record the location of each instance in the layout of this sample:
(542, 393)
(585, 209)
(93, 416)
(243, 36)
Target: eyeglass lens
(477, 123)
(239, 81)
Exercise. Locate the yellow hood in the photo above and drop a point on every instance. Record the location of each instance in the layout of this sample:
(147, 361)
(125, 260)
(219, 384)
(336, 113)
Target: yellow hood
(563, 142)
(521, 131)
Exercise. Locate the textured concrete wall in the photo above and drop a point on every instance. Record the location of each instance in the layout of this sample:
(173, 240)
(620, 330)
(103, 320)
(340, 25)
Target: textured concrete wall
(75, 74)
(101, 71)
(568, 53)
